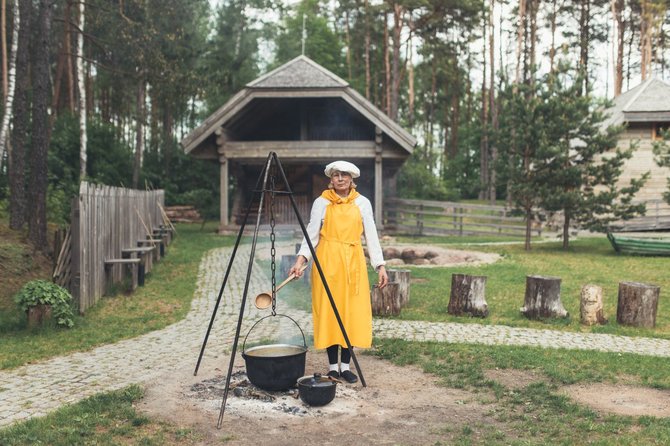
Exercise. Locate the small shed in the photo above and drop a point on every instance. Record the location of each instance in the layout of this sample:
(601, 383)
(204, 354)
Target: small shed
(309, 117)
(645, 113)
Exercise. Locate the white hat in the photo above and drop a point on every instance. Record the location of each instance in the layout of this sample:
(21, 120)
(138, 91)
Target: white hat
(342, 166)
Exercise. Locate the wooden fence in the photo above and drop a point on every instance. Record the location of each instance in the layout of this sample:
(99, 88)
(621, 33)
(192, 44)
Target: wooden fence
(656, 218)
(421, 217)
(104, 221)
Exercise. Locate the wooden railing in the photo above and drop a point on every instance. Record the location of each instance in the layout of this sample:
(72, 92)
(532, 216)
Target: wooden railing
(657, 217)
(104, 221)
(421, 217)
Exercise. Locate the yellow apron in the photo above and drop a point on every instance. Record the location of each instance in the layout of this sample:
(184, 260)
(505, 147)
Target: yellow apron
(341, 257)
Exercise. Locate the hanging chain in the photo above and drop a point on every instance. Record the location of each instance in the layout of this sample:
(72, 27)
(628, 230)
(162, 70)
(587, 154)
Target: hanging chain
(273, 252)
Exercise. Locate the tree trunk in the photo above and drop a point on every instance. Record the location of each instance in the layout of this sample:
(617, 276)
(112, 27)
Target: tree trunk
(529, 222)
(81, 88)
(468, 296)
(37, 224)
(402, 278)
(591, 305)
(543, 298)
(520, 33)
(17, 161)
(11, 79)
(566, 230)
(617, 12)
(584, 41)
(139, 135)
(637, 304)
(398, 11)
(3, 30)
(387, 67)
(410, 75)
(386, 301)
(534, 5)
(367, 51)
(484, 141)
(552, 27)
(492, 107)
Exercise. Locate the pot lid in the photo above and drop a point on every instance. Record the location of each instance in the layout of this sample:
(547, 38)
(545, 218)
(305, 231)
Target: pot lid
(317, 380)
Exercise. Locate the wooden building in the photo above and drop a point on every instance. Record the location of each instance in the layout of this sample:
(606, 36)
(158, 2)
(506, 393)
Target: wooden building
(309, 117)
(645, 113)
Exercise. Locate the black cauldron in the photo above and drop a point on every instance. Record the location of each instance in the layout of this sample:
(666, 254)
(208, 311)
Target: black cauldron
(316, 390)
(275, 366)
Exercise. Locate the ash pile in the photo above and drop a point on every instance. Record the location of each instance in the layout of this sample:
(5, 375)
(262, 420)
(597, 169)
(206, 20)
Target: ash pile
(247, 400)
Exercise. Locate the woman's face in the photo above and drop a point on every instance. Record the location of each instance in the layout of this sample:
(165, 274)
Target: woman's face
(341, 182)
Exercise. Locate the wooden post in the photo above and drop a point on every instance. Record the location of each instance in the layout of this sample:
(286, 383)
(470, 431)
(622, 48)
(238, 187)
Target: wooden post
(543, 298)
(386, 301)
(401, 277)
(591, 305)
(468, 296)
(637, 304)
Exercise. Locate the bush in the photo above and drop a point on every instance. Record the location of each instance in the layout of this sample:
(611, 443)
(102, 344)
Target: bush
(42, 292)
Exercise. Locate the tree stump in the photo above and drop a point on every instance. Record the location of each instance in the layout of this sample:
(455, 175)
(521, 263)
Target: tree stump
(637, 304)
(591, 305)
(468, 296)
(543, 298)
(401, 277)
(386, 301)
(38, 315)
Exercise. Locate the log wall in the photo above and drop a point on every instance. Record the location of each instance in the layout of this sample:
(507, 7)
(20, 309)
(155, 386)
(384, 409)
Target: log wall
(104, 221)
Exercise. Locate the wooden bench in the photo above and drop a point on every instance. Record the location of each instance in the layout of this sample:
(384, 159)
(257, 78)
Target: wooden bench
(167, 230)
(130, 265)
(144, 254)
(154, 242)
(162, 235)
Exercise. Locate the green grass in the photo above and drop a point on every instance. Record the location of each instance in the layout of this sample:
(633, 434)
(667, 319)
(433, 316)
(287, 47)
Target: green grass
(537, 413)
(104, 419)
(165, 299)
(588, 261)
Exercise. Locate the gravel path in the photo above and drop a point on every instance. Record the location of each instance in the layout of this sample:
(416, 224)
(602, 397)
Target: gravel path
(35, 389)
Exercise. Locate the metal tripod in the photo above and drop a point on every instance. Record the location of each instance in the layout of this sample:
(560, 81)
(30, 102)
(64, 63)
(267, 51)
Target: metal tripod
(272, 162)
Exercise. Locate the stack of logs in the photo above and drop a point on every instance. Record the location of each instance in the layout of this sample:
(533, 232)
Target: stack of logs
(183, 214)
(637, 303)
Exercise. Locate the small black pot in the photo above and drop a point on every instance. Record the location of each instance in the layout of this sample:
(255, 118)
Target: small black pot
(316, 390)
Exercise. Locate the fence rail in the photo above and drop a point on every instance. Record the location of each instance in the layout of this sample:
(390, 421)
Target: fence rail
(657, 217)
(104, 221)
(422, 217)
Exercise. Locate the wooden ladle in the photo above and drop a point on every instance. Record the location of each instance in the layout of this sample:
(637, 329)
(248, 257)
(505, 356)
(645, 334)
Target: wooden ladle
(264, 300)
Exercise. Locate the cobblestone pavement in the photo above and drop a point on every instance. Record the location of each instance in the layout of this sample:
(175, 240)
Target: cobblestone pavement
(35, 389)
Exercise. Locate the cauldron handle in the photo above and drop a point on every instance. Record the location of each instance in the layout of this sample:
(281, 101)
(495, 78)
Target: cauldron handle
(304, 341)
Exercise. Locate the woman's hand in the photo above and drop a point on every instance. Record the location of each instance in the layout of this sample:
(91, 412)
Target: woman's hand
(383, 277)
(296, 269)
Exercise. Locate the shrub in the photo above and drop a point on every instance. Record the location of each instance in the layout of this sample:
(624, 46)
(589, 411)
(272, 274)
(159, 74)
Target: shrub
(43, 292)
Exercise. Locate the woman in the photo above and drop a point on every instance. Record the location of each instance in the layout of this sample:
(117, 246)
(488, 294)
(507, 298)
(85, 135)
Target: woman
(338, 219)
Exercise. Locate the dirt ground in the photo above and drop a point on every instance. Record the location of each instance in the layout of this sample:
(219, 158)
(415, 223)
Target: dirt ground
(399, 406)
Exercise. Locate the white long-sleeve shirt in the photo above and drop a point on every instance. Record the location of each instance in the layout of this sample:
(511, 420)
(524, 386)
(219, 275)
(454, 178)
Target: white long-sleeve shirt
(317, 215)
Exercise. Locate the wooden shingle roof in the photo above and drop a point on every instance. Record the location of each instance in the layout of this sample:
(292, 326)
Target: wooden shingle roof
(301, 72)
(648, 102)
(300, 77)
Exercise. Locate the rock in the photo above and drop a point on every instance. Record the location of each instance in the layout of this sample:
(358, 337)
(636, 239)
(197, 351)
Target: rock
(391, 253)
(419, 261)
(411, 253)
(431, 254)
(394, 262)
